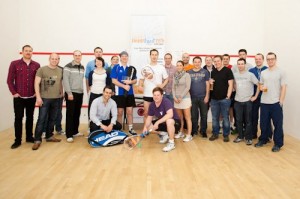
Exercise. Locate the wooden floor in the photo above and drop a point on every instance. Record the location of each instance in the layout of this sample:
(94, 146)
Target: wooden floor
(198, 169)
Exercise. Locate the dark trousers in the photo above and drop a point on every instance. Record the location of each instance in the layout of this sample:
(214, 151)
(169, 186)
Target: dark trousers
(19, 105)
(73, 113)
(92, 97)
(47, 117)
(243, 112)
(94, 127)
(271, 112)
(198, 104)
(255, 116)
(58, 119)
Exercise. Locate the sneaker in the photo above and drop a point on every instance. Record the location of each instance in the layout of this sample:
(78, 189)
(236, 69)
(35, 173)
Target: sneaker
(259, 144)
(226, 138)
(213, 137)
(53, 139)
(36, 146)
(15, 145)
(132, 132)
(44, 135)
(221, 130)
(237, 140)
(163, 139)
(61, 132)
(78, 134)
(169, 147)
(275, 148)
(203, 135)
(179, 135)
(188, 138)
(70, 140)
(249, 142)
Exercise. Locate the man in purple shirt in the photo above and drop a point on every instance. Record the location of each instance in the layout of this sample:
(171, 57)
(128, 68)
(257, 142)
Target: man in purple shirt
(20, 82)
(162, 117)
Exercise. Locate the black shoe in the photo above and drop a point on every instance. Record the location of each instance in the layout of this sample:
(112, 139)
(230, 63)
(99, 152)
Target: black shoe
(30, 140)
(226, 138)
(213, 137)
(203, 135)
(15, 145)
(132, 132)
(259, 144)
(275, 148)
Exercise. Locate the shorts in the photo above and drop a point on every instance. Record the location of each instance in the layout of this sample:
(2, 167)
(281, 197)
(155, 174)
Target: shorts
(163, 126)
(148, 99)
(184, 104)
(123, 102)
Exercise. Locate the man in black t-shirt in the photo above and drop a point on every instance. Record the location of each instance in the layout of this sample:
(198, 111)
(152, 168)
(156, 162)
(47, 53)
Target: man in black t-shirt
(222, 80)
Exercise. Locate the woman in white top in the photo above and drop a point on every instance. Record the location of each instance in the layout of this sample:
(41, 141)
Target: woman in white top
(182, 99)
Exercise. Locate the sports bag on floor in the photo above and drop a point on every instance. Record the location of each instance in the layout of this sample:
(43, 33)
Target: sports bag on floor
(100, 138)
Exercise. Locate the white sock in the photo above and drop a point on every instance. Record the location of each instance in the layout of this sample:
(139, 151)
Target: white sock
(163, 133)
(171, 141)
(130, 127)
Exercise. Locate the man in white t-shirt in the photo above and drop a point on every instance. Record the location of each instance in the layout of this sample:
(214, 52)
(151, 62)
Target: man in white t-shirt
(155, 75)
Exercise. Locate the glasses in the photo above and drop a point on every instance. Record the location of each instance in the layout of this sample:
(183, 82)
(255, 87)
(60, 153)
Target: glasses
(271, 59)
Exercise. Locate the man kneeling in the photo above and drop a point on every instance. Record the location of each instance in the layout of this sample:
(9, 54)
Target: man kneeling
(163, 118)
(103, 112)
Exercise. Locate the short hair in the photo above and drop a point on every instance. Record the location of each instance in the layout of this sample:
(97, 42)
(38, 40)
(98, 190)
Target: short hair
(271, 53)
(26, 46)
(261, 55)
(208, 57)
(158, 89)
(114, 57)
(197, 57)
(226, 55)
(242, 59)
(154, 50)
(243, 50)
(77, 51)
(107, 87)
(219, 56)
(98, 48)
(102, 60)
(168, 54)
(180, 61)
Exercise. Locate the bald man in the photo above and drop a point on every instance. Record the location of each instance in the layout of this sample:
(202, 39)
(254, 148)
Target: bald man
(186, 61)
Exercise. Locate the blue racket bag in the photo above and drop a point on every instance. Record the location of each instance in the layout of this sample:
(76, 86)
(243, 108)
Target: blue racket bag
(100, 138)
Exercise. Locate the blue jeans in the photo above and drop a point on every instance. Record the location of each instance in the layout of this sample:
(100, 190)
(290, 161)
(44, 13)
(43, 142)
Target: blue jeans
(243, 113)
(220, 107)
(271, 112)
(58, 119)
(198, 104)
(47, 110)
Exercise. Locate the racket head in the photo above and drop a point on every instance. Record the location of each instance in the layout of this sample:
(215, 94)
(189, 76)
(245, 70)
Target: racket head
(147, 72)
(132, 141)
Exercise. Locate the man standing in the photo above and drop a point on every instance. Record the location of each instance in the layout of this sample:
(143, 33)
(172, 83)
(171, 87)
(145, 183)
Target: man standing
(20, 82)
(273, 84)
(48, 89)
(209, 65)
(200, 96)
(226, 61)
(242, 54)
(186, 61)
(244, 82)
(171, 69)
(103, 112)
(124, 77)
(147, 83)
(73, 84)
(162, 117)
(259, 61)
(98, 52)
(222, 80)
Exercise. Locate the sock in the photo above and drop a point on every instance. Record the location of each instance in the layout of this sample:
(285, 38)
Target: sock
(163, 133)
(171, 141)
(130, 127)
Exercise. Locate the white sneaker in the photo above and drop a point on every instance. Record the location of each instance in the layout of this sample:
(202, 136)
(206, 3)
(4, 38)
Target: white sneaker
(188, 138)
(78, 134)
(163, 139)
(179, 135)
(44, 135)
(169, 147)
(70, 140)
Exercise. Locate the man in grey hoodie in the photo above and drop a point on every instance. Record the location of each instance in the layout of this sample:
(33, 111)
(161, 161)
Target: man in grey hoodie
(73, 84)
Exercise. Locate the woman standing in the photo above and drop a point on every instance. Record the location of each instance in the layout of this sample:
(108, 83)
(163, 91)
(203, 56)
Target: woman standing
(182, 99)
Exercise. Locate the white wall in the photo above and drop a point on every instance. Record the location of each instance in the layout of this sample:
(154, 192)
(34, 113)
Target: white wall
(282, 30)
(9, 40)
(197, 27)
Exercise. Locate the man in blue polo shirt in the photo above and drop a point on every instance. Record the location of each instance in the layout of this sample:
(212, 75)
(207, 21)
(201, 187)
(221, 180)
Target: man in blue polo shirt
(123, 77)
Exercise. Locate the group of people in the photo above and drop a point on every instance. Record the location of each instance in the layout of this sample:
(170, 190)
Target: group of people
(174, 96)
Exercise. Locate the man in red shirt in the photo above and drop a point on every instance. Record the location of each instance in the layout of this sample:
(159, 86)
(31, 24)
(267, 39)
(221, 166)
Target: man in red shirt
(20, 82)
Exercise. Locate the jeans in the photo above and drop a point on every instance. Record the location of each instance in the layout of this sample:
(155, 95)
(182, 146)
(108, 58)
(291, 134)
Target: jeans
(198, 104)
(19, 105)
(73, 113)
(58, 119)
(243, 112)
(271, 112)
(220, 107)
(47, 117)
